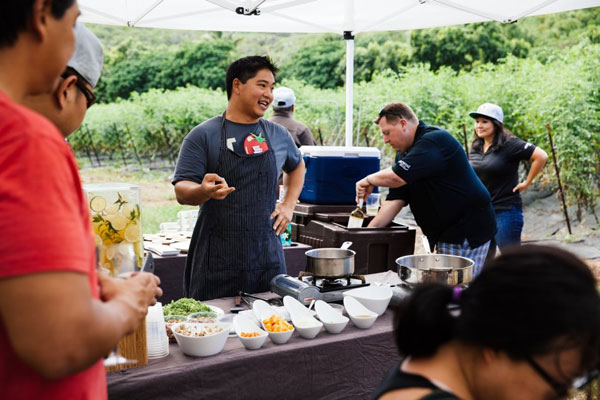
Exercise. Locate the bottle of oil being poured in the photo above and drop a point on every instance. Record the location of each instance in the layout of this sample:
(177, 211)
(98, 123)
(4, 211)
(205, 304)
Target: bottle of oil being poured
(357, 216)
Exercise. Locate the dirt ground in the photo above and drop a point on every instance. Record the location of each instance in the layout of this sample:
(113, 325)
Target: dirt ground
(545, 223)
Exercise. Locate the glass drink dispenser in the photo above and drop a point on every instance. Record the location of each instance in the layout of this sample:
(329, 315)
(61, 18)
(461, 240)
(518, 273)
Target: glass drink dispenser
(115, 209)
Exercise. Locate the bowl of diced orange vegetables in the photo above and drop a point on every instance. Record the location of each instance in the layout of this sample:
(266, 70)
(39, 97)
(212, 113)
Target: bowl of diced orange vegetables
(278, 329)
(251, 336)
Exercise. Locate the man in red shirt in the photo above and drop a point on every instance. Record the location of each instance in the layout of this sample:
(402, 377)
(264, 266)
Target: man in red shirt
(57, 317)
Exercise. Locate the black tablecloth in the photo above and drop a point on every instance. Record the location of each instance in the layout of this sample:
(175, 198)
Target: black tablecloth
(348, 365)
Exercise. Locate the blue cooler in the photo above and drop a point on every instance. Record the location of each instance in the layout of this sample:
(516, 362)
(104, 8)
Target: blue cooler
(332, 172)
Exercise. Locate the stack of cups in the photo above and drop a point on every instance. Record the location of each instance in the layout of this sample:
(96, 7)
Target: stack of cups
(156, 334)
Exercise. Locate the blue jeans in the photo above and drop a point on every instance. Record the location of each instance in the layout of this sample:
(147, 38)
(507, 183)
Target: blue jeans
(510, 225)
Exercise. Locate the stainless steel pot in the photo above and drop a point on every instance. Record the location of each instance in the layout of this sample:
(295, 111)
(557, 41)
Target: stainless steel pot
(452, 270)
(330, 262)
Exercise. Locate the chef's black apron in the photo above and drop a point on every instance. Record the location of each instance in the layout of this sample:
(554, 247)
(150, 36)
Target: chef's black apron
(234, 246)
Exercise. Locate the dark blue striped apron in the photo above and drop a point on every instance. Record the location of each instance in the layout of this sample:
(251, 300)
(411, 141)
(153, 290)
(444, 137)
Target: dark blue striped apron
(234, 246)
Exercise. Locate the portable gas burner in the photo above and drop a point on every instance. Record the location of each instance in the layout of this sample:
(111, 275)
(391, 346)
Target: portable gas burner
(307, 287)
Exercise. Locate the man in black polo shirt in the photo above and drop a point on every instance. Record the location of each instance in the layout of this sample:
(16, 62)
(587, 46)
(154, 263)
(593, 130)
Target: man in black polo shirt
(432, 174)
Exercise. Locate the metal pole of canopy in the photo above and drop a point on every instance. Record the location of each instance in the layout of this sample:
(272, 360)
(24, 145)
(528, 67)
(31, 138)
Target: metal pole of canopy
(349, 38)
(349, 85)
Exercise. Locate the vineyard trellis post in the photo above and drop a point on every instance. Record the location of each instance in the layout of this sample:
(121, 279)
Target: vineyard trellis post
(464, 130)
(133, 145)
(557, 169)
(87, 148)
(120, 144)
(89, 135)
(166, 137)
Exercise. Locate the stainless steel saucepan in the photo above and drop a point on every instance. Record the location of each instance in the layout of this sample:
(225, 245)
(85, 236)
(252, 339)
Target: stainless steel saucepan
(331, 262)
(452, 270)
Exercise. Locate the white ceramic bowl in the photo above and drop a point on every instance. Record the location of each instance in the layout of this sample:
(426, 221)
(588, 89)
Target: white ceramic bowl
(307, 328)
(251, 315)
(202, 346)
(333, 320)
(375, 298)
(302, 318)
(360, 315)
(261, 308)
(278, 337)
(241, 324)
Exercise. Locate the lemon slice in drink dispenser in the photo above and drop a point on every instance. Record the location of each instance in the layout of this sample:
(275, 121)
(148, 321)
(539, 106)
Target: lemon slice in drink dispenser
(97, 203)
(117, 221)
(132, 233)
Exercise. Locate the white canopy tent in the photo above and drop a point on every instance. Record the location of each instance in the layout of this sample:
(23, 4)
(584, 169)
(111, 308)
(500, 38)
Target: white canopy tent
(344, 17)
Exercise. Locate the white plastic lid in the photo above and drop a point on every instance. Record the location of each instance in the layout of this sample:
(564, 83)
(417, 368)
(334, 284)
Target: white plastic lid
(340, 151)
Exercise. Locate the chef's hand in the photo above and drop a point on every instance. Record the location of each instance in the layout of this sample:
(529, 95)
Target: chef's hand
(363, 189)
(283, 214)
(216, 187)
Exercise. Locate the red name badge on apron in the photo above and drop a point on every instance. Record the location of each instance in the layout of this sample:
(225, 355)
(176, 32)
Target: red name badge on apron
(255, 144)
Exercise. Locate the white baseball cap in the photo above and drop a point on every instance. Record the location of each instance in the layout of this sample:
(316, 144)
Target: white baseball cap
(283, 97)
(88, 56)
(489, 110)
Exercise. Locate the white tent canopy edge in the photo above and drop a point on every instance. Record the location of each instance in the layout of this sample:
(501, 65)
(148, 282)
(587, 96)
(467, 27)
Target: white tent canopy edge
(344, 17)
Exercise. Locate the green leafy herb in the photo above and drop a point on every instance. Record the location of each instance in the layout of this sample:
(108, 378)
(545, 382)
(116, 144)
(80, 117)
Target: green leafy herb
(185, 306)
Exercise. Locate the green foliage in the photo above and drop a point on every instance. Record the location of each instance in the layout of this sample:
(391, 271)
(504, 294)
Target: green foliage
(130, 67)
(563, 91)
(374, 58)
(318, 64)
(461, 47)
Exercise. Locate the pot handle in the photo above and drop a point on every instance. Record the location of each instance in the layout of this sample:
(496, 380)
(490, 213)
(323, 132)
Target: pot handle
(345, 245)
(425, 242)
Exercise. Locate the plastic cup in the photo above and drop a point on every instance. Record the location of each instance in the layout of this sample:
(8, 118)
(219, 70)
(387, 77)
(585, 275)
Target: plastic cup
(373, 203)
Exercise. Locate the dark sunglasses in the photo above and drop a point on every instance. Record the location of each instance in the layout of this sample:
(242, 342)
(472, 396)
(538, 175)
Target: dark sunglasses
(562, 389)
(90, 97)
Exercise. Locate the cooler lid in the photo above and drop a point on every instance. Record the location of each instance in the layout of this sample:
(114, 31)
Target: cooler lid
(340, 151)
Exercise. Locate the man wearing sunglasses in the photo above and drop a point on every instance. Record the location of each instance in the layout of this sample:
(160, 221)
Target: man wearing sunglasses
(73, 94)
(432, 174)
(58, 317)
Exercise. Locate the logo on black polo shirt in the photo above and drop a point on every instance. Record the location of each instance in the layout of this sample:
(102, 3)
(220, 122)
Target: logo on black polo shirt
(402, 164)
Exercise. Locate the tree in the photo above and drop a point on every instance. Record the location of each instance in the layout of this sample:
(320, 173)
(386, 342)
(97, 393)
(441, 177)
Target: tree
(461, 47)
(319, 63)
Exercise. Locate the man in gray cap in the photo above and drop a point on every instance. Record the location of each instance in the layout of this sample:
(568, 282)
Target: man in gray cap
(283, 114)
(66, 105)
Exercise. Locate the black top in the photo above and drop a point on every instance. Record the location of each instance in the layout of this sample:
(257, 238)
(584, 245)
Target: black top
(399, 193)
(498, 170)
(397, 379)
(447, 198)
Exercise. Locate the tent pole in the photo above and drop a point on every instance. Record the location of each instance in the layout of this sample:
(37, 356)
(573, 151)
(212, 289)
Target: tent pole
(349, 84)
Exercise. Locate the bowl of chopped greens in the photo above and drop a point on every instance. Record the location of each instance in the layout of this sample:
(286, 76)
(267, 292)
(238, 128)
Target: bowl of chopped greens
(185, 306)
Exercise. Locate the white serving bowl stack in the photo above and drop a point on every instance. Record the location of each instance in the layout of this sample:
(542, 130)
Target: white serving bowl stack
(360, 315)
(331, 317)
(202, 346)
(375, 297)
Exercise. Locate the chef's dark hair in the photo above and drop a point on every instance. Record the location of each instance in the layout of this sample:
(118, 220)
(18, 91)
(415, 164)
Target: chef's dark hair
(246, 68)
(501, 136)
(16, 15)
(529, 301)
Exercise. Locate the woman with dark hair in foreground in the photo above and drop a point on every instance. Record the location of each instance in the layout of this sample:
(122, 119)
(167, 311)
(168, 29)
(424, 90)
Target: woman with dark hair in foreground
(528, 327)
